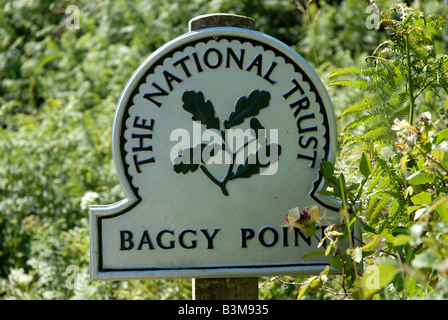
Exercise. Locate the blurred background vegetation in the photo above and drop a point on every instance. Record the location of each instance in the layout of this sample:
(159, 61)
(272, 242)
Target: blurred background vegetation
(58, 91)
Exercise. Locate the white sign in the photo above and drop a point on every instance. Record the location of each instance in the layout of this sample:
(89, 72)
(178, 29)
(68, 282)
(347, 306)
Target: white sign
(216, 136)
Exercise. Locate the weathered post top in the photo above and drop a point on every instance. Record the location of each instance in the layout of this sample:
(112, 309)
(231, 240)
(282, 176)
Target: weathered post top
(221, 20)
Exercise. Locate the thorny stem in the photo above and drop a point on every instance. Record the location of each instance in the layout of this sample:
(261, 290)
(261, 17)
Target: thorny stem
(344, 205)
(341, 283)
(284, 282)
(359, 219)
(432, 159)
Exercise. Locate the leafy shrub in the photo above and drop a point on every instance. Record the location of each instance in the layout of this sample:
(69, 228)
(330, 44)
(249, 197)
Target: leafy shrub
(404, 194)
(58, 91)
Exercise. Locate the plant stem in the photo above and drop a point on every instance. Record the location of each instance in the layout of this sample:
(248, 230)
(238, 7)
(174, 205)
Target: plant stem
(352, 247)
(229, 172)
(220, 184)
(437, 162)
(411, 85)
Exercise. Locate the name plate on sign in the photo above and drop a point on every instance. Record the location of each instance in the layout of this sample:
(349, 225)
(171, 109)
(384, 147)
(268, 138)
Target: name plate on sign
(216, 136)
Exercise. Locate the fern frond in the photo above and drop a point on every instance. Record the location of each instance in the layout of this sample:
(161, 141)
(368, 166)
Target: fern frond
(378, 206)
(359, 84)
(382, 47)
(365, 104)
(399, 100)
(399, 113)
(352, 143)
(441, 66)
(372, 117)
(345, 71)
(382, 142)
(395, 209)
(377, 199)
(377, 133)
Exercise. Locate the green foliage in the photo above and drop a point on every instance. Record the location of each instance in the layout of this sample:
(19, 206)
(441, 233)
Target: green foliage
(59, 88)
(402, 68)
(397, 191)
(58, 91)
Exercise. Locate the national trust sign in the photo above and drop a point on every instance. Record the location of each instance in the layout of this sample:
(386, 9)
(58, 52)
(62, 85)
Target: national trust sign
(215, 137)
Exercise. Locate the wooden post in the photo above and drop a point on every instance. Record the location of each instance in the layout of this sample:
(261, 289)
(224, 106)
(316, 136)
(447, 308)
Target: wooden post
(223, 288)
(221, 20)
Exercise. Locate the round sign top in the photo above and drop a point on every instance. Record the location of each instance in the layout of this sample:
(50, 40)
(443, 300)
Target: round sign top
(176, 111)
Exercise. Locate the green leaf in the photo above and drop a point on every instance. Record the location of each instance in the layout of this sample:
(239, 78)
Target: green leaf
(441, 207)
(376, 244)
(356, 254)
(442, 135)
(248, 107)
(304, 288)
(368, 229)
(376, 277)
(365, 167)
(422, 198)
(401, 240)
(328, 250)
(325, 193)
(201, 110)
(441, 156)
(427, 259)
(399, 230)
(411, 209)
(317, 281)
(313, 254)
(420, 178)
(335, 262)
(327, 168)
(325, 272)
(310, 231)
